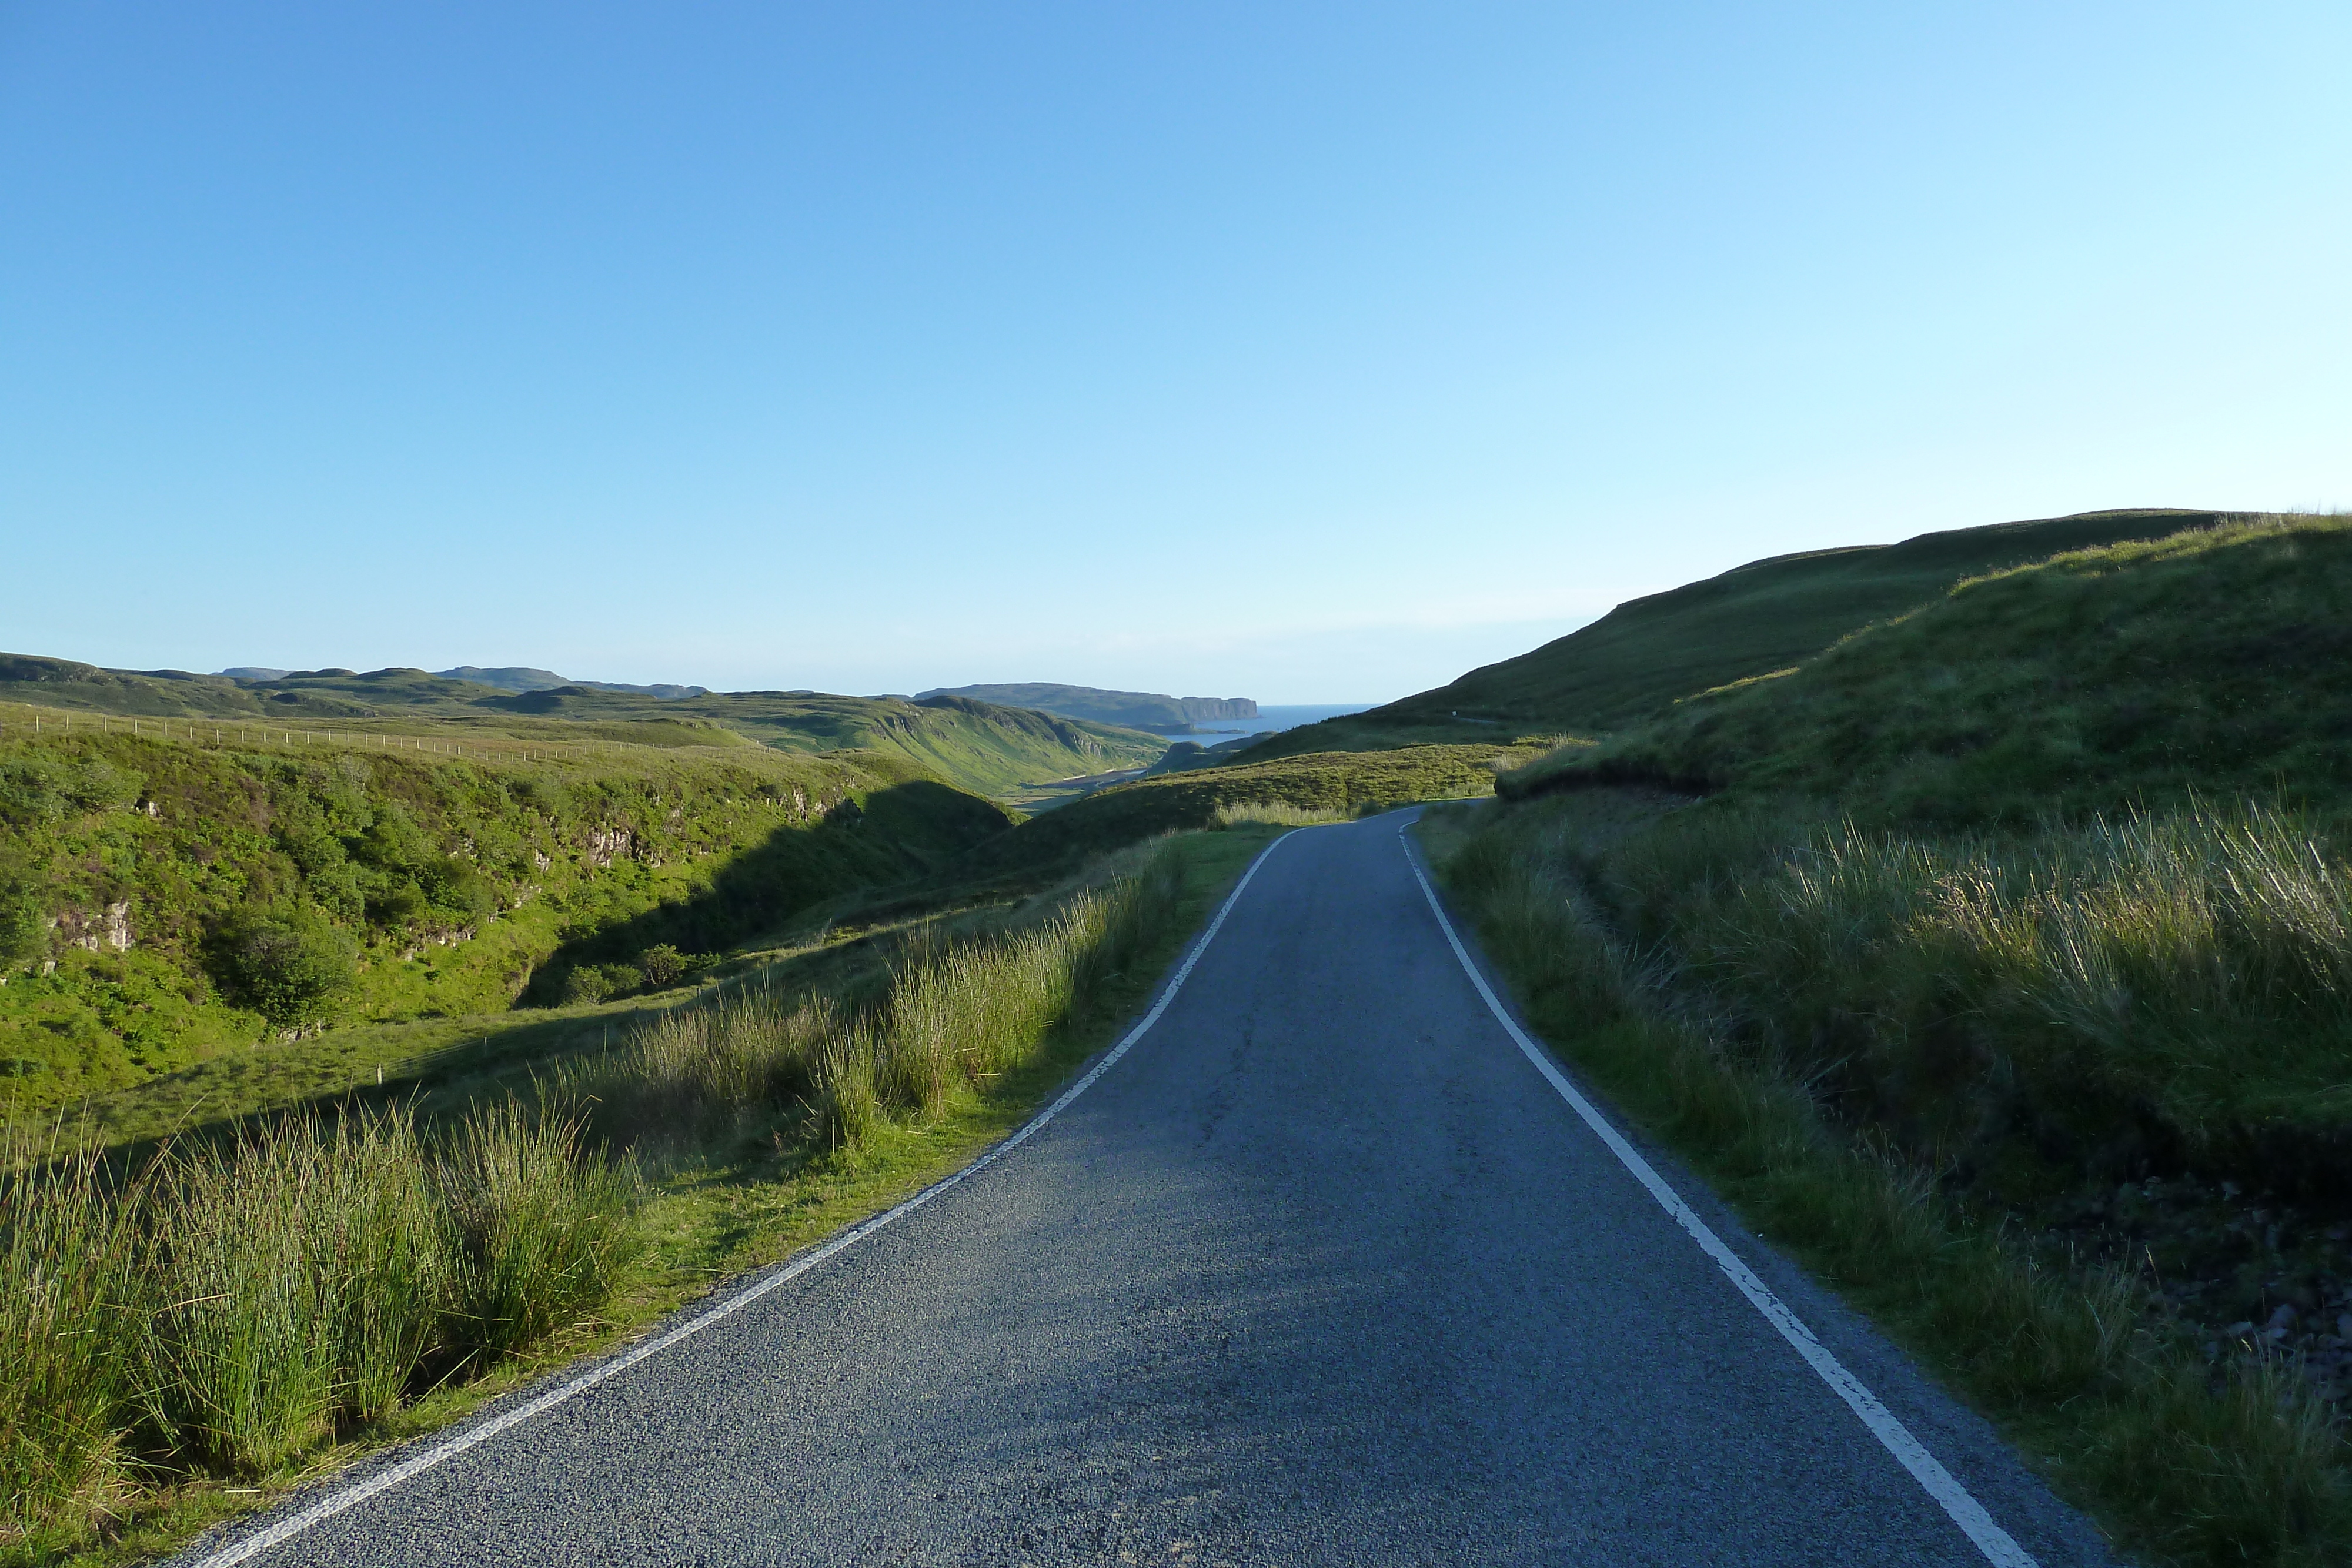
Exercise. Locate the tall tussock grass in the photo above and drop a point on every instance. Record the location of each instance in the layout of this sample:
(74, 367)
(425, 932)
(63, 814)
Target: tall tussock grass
(234, 1304)
(959, 1014)
(1846, 1029)
(67, 1275)
(2170, 986)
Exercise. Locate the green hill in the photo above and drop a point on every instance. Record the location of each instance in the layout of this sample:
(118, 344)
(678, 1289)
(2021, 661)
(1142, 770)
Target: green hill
(524, 678)
(165, 901)
(1135, 710)
(1752, 620)
(980, 746)
(2219, 659)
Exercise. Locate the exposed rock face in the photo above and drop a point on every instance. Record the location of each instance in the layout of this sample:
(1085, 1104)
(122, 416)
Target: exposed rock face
(95, 933)
(1218, 707)
(607, 844)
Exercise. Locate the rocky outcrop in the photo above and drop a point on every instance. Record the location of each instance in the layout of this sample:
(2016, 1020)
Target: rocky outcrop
(606, 845)
(109, 931)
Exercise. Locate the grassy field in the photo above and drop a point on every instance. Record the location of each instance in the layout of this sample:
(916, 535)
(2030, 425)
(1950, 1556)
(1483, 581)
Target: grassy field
(506, 1232)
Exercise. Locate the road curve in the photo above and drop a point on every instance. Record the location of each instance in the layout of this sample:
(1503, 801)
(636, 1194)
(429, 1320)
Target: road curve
(1321, 1271)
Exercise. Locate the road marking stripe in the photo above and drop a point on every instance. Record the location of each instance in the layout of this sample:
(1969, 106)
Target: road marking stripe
(416, 1464)
(1966, 1512)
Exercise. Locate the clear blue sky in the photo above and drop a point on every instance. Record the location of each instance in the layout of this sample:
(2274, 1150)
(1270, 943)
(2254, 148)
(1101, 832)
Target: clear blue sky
(1313, 352)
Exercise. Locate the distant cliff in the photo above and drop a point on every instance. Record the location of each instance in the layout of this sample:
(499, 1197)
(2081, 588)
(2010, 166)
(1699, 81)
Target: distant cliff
(1135, 710)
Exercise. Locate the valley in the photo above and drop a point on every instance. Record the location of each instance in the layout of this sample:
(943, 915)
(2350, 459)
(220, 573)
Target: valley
(1971, 912)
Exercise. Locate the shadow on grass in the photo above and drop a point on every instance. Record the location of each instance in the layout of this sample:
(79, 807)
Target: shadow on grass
(886, 837)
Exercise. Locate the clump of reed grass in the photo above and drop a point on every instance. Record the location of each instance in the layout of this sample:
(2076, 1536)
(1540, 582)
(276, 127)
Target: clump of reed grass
(68, 1280)
(541, 1225)
(245, 1332)
(236, 1302)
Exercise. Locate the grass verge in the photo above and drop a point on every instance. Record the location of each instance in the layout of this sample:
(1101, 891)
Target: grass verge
(420, 1265)
(2186, 1460)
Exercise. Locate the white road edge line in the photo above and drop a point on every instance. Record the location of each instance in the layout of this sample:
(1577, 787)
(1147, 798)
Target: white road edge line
(1965, 1509)
(417, 1464)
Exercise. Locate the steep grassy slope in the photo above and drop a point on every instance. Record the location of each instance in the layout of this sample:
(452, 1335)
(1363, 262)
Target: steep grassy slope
(1750, 620)
(979, 746)
(162, 901)
(2217, 660)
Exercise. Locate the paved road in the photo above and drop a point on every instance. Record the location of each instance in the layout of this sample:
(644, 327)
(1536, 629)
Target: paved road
(1322, 1272)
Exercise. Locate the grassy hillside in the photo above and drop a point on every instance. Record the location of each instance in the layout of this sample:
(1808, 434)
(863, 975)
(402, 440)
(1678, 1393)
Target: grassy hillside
(2217, 660)
(2004, 970)
(979, 746)
(164, 901)
(1750, 620)
(1136, 710)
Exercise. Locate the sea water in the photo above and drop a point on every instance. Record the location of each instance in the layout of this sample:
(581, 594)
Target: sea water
(1271, 716)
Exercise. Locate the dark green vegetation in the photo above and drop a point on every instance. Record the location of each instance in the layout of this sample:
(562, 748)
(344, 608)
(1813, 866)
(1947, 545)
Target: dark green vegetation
(988, 749)
(1999, 958)
(1640, 658)
(1135, 710)
(166, 902)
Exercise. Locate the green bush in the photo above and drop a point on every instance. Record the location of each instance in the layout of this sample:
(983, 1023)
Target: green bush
(599, 982)
(24, 925)
(34, 790)
(455, 885)
(290, 968)
(397, 906)
(97, 785)
(28, 793)
(392, 841)
(663, 965)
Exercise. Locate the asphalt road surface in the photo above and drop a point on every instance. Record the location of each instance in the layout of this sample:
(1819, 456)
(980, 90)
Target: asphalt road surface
(1322, 1270)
